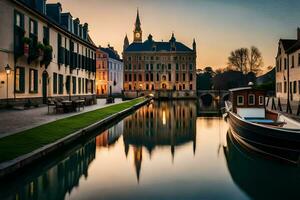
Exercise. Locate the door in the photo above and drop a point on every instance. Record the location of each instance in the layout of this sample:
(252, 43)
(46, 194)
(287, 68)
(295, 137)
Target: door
(45, 86)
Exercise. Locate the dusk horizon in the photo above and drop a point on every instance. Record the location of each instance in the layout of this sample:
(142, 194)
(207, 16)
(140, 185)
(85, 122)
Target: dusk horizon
(217, 27)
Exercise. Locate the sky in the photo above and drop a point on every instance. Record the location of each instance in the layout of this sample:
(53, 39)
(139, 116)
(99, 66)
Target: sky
(218, 26)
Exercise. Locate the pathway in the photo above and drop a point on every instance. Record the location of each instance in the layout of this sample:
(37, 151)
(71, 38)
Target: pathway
(14, 121)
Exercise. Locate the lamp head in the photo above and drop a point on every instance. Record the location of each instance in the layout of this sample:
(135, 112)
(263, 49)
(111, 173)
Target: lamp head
(7, 69)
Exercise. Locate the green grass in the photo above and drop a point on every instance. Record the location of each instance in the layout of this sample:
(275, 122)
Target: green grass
(32, 139)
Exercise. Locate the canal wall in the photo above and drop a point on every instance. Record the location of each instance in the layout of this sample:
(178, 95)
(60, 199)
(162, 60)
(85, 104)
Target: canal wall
(12, 166)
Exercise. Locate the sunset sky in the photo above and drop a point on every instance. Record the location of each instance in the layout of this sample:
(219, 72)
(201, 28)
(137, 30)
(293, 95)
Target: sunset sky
(218, 26)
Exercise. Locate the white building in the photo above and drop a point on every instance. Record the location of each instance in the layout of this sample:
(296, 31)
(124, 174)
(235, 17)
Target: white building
(288, 69)
(59, 60)
(115, 71)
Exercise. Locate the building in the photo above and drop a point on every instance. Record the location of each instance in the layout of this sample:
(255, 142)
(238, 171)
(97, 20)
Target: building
(101, 73)
(165, 69)
(288, 69)
(110, 72)
(49, 53)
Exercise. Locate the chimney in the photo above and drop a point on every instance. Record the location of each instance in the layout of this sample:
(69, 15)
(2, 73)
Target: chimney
(298, 33)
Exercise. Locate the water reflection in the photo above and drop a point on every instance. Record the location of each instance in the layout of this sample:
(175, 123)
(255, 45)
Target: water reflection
(261, 178)
(57, 178)
(167, 124)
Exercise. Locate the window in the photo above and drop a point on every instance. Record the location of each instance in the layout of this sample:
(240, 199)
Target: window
(68, 82)
(285, 63)
(157, 77)
(20, 79)
(240, 100)
(33, 27)
(54, 83)
(74, 84)
(251, 99)
(191, 86)
(125, 77)
(169, 66)
(46, 35)
(33, 78)
(169, 76)
(19, 19)
(140, 77)
(298, 59)
(285, 86)
(79, 85)
(298, 87)
(191, 67)
(295, 87)
(292, 62)
(261, 100)
(157, 66)
(177, 66)
(177, 77)
(183, 77)
(134, 77)
(61, 84)
(191, 77)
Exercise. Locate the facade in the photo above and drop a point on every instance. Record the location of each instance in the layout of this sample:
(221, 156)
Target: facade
(164, 69)
(49, 53)
(114, 70)
(101, 73)
(288, 69)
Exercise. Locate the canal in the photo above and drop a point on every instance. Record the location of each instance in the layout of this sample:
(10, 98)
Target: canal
(161, 151)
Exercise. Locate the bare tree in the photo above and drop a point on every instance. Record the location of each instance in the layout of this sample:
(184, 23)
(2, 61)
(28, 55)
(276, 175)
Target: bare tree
(238, 60)
(245, 60)
(255, 60)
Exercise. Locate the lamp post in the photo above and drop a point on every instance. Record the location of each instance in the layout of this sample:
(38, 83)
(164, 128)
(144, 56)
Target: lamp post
(7, 70)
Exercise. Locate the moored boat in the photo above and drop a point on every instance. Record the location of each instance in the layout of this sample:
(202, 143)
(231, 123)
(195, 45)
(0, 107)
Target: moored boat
(260, 129)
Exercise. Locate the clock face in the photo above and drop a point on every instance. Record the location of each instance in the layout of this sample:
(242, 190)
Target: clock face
(137, 35)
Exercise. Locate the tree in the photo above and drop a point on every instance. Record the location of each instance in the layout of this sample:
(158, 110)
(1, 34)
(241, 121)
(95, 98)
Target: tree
(245, 60)
(255, 60)
(238, 60)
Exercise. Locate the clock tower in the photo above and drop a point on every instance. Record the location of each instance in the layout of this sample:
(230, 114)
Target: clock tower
(137, 32)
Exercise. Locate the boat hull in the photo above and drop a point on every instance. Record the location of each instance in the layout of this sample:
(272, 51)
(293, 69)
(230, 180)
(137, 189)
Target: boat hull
(274, 142)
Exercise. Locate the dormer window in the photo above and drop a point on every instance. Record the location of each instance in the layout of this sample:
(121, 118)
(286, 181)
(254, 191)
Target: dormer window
(240, 100)
(251, 99)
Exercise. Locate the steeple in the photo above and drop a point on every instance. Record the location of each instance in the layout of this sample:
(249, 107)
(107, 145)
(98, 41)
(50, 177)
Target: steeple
(126, 43)
(137, 32)
(137, 21)
(194, 45)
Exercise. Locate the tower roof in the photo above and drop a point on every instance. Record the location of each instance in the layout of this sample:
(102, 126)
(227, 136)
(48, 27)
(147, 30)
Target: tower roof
(138, 21)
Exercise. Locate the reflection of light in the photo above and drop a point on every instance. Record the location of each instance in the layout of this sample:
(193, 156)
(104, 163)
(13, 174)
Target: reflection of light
(151, 95)
(164, 117)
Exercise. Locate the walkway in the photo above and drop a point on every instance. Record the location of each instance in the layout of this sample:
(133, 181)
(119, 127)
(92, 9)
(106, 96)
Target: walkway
(14, 121)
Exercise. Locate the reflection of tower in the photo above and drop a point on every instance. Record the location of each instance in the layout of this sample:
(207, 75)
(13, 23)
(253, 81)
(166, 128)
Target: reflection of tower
(138, 156)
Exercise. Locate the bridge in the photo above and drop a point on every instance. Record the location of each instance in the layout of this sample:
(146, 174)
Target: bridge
(211, 101)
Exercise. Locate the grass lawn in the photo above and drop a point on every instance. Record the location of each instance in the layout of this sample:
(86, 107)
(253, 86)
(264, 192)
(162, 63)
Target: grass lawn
(29, 140)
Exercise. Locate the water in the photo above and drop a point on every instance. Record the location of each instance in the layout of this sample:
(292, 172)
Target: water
(162, 151)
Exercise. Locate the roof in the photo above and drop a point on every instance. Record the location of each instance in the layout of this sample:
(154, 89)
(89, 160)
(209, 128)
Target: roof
(55, 24)
(294, 47)
(111, 53)
(240, 89)
(287, 43)
(150, 45)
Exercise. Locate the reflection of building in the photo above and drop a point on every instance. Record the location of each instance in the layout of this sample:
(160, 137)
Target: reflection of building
(167, 69)
(110, 136)
(50, 53)
(170, 123)
(110, 71)
(58, 180)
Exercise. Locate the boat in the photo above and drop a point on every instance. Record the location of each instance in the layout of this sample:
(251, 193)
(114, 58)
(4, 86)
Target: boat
(260, 129)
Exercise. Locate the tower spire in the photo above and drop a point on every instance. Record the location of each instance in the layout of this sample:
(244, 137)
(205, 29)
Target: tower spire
(137, 33)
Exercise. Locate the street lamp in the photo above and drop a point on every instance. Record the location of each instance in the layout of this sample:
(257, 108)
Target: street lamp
(7, 70)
